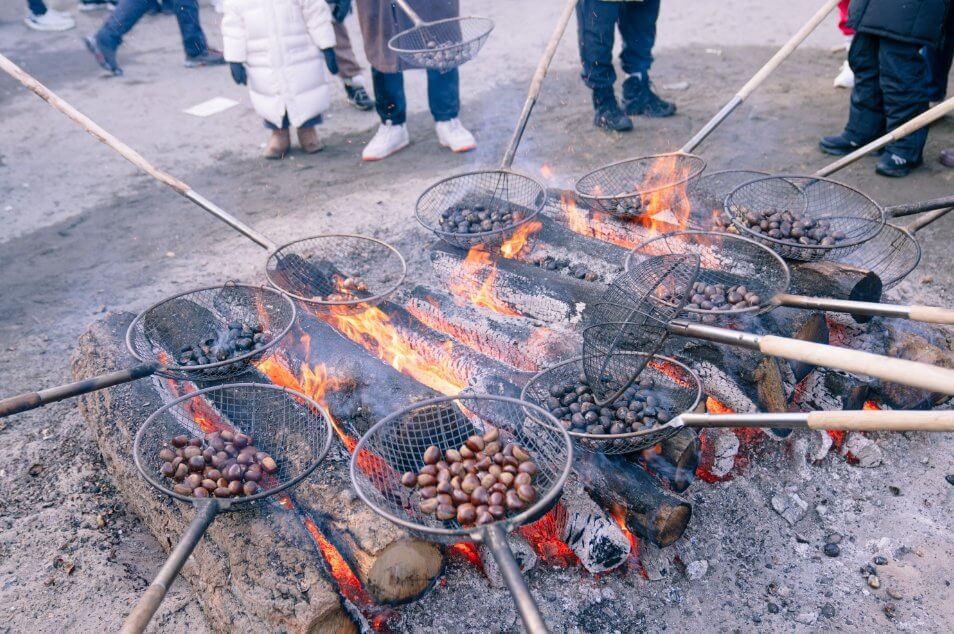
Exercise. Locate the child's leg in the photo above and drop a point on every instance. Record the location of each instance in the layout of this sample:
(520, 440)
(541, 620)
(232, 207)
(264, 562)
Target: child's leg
(280, 140)
(866, 119)
(443, 94)
(389, 99)
(308, 136)
(904, 85)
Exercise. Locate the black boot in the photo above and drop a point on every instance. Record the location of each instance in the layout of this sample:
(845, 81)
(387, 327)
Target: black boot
(895, 166)
(639, 98)
(837, 145)
(608, 114)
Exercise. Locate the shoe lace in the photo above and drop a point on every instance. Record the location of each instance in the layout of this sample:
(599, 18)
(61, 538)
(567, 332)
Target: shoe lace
(897, 160)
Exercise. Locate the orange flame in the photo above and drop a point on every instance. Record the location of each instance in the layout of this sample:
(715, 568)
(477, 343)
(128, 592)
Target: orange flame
(546, 171)
(465, 284)
(665, 199)
(466, 551)
(619, 516)
(543, 535)
(512, 247)
(373, 330)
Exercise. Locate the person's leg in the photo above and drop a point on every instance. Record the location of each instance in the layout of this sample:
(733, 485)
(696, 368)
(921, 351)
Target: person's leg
(443, 94)
(120, 22)
(280, 140)
(36, 7)
(193, 39)
(348, 66)
(596, 27)
(866, 120)
(637, 26)
(389, 96)
(904, 85)
(939, 61)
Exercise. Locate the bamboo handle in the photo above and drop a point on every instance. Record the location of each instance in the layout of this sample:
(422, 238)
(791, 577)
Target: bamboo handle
(931, 314)
(406, 8)
(898, 211)
(139, 618)
(537, 82)
(916, 225)
(760, 76)
(885, 420)
(90, 126)
(920, 375)
(903, 130)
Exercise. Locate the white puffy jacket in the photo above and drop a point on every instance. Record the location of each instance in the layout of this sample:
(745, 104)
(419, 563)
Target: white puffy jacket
(280, 43)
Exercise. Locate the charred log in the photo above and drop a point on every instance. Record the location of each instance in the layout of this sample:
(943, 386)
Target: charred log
(675, 459)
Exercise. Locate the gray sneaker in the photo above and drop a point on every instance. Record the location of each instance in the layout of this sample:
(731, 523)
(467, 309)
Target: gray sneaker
(211, 57)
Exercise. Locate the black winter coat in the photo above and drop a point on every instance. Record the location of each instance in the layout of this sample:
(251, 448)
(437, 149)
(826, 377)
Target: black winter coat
(916, 21)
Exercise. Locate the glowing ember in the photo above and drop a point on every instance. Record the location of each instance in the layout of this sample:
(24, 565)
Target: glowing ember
(466, 551)
(619, 516)
(546, 171)
(512, 247)
(474, 282)
(373, 330)
(543, 535)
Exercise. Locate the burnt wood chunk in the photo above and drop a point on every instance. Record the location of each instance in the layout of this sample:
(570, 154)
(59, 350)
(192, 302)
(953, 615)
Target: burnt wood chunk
(241, 570)
(621, 486)
(675, 459)
(835, 280)
(815, 330)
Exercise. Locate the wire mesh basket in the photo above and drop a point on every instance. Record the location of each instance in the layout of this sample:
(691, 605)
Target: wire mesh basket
(443, 44)
(639, 187)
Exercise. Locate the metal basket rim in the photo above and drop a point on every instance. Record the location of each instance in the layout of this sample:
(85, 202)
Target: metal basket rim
(795, 245)
(372, 300)
(481, 234)
(251, 498)
(193, 369)
(633, 434)
(476, 533)
(888, 284)
(765, 305)
(701, 163)
(460, 18)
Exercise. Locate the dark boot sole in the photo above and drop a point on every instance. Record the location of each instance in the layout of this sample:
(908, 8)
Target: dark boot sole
(642, 112)
(97, 52)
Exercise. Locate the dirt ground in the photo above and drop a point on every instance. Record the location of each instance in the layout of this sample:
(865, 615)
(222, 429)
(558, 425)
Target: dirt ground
(83, 233)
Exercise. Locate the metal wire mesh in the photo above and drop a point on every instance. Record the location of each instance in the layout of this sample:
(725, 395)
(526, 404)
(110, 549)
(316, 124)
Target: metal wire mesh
(490, 191)
(892, 255)
(397, 444)
(726, 260)
(292, 428)
(443, 44)
(631, 316)
(626, 188)
(675, 386)
(707, 198)
(851, 217)
(342, 272)
(163, 331)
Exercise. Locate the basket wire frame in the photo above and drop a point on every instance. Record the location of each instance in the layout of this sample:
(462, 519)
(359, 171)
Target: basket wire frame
(707, 198)
(677, 387)
(292, 428)
(621, 188)
(723, 259)
(845, 209)
(622, 317)
(500, 190)
(397, 444)
(313, 270)
(892, 254)
(442, 45)
(162, 331)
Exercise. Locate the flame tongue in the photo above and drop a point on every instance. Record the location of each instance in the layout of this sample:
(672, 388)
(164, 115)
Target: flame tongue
(474, 282)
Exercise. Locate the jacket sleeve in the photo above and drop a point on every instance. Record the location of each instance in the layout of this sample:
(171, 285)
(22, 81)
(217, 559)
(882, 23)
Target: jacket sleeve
(234, 35)
(318, 19)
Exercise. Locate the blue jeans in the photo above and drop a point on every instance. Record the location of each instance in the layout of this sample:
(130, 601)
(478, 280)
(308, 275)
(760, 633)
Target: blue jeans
(315, 120)
(597, 21)
(443, 95)
(128, 12)
(37, 7)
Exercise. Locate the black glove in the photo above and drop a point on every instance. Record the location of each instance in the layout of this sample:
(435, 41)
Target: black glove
(331, 61)
(340, 9)
(238, 73)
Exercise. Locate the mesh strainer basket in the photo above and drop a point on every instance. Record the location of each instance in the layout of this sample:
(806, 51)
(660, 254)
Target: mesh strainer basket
(628, 187)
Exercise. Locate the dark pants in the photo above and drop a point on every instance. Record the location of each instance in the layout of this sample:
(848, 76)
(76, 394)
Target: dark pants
(890, 88)
(128, 12)
(443, 95)
(597, 21)
(939, 61)
(315, 120)
(37, 7)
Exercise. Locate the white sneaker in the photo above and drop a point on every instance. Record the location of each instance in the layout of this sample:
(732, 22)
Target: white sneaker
(452, 134)
(50, 21)
(845, 78)
(386, 141)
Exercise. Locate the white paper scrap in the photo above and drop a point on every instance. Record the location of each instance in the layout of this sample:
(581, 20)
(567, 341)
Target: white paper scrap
(211, 107)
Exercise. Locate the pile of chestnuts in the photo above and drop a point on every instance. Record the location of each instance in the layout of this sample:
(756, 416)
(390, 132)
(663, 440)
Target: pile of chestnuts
(638, 408)
(239, 339)
(792, 227)
(224, 464)
(478, 218)
(483, 481)
(719, 296)
(348, 289)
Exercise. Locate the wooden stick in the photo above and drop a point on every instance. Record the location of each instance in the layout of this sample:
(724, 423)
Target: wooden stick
(846, 420)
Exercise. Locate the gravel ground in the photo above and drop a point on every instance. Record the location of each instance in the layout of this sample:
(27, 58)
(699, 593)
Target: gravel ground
(84, 233)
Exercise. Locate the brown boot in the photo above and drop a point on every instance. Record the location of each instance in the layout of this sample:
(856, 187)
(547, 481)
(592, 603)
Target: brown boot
(278, 144)
(309, 141)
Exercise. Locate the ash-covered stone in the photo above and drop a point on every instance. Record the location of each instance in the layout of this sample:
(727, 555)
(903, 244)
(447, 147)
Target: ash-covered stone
(790, 506)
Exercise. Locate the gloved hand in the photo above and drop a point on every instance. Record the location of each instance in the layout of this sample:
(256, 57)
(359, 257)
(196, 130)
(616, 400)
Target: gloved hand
(238, 73)
(331, 61)
(339, 9)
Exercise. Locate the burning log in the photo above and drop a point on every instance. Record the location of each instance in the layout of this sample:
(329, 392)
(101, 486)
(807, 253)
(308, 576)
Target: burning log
(815, 329)
(522, 551)
(621, 486)
(533, 292)
(589, 531)
(904, 342)
(836, 280)
(512, 340)
(227, 568)
(675, 459)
